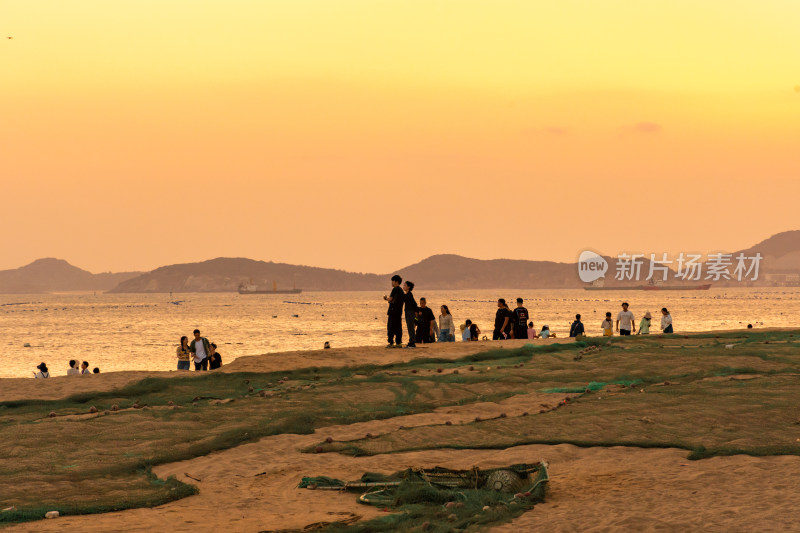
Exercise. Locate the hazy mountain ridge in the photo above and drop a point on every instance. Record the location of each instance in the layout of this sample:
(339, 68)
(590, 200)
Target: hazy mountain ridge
(781, 254)
(54, 275)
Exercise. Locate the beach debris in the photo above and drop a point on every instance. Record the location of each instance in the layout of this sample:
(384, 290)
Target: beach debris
(318, 449)
(93, 409)
(503, 415)
(52, 514)
(190, 477)
(369, 436)
(327, 345)
(136, 405)
(486, 507)
(729, 346)
(471, 368)
(477, 419)
(26, 345)
(52, 414)
(452, 517)
(647, 420)
(448, 423)
(170, 403)
(439, 370)
(524, 413)
(106, 412)
(455, 371)
(9, 509)
(115, 407)
(250, 389)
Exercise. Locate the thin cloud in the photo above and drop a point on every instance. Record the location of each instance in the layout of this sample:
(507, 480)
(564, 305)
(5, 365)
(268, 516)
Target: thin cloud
(646, 127)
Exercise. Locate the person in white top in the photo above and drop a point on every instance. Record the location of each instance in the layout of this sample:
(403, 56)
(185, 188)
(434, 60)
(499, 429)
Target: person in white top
(85, 369)
(465, 333)
(73, 368)
(666, 321)
(42, 373)
(625, 322)
(447, 329)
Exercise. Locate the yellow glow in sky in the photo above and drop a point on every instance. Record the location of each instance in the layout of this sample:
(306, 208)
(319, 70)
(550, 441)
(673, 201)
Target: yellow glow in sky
(141, 133)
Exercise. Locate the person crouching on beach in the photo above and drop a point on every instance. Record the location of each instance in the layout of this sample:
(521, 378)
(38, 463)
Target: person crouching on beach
(411, 313)
(214, 358)
(465, 334)
(42, 373)
(545, 333)
(184, 354)
(666, 321)
(644, 325)
(394, 322)
(446, 327)
(607, 325)
(200, 347)
(85, 369)
(474, 331)
(73, 369)
(625, 322)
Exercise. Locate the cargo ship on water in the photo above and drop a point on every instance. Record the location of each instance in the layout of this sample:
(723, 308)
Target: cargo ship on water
(599, 285)
(250, 288)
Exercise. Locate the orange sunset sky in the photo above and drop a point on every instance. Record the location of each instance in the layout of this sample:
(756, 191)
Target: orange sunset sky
(369, 134)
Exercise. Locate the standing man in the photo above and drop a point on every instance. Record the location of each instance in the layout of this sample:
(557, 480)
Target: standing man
(625, 322)
(520, 316)
(425, 322)
(394, 324)
(411, 313)
(501, 321)
(200, 347)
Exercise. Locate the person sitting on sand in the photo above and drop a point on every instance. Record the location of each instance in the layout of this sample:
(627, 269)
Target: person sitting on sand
(85, 369)
(607, 326)
(200, 348)
(474, 331)
(184, 354)
(73, 368)
(96, 370)
(531, 331)
(666, 321)
(465, 334)
(644, 325)
(42, 373)
(214, 358)
(446, 326)
(545, 333)
(576, 329)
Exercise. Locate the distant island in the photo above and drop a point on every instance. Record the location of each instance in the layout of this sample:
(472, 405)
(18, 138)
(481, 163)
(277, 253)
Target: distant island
(780, 266)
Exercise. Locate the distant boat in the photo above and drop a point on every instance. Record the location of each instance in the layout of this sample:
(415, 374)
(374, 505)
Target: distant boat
(250, 288)
(599, 286)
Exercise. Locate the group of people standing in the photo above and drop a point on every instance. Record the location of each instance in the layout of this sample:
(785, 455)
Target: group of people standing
(419, 318)
(204, 354)
(516, 323)
(626, 323)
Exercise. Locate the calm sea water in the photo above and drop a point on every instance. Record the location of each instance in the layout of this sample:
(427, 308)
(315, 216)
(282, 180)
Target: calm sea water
(141, 332)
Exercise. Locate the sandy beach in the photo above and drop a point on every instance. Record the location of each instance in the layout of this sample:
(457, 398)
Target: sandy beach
(252, 487)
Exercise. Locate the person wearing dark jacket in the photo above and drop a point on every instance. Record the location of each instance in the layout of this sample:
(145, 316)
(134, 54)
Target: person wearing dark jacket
(394, 325)
(425, 322)
(576, 328)
(411, 313)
